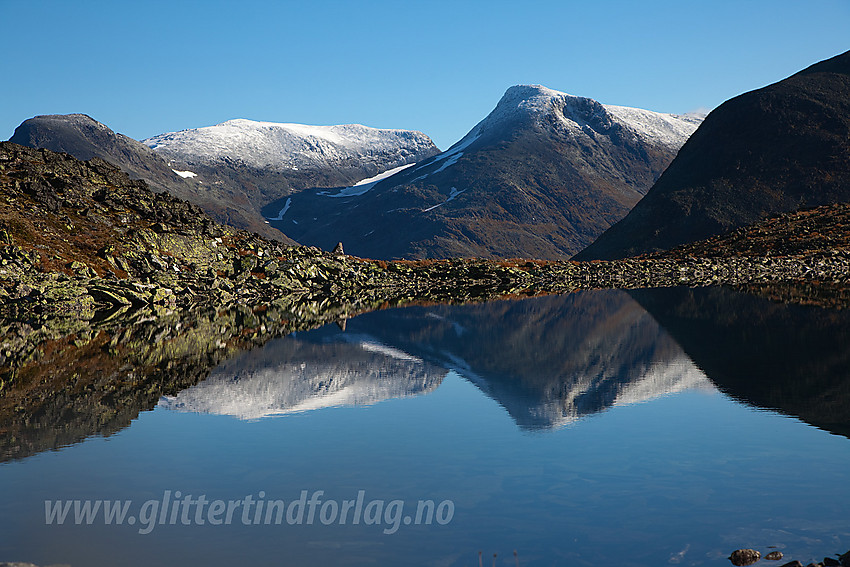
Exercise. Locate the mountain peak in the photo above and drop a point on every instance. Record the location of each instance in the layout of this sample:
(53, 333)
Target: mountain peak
(548, 107)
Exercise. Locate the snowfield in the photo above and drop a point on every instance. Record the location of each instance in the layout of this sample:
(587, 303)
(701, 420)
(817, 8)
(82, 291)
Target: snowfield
(278, 146)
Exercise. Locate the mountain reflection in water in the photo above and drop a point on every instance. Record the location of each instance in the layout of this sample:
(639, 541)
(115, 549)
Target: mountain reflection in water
(547, 361)
(794, 359)
(290, 375)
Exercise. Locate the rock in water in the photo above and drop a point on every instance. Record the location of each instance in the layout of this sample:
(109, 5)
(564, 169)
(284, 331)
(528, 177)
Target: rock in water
(741, 557)
(774, 556)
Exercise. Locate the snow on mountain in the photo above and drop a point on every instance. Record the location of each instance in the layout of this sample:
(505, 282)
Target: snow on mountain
(288, 376)
(585, 114)
(276, 146)
(577, 116)
(364, 185)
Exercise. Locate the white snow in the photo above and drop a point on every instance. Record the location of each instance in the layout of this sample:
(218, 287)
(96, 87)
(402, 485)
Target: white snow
(454, 193)
(185, 174)
(372, 346)
(668, 129)
(574, 112)
(364, 186)
(271, 145)
(296, 377)
(450, 156)
(283, 210)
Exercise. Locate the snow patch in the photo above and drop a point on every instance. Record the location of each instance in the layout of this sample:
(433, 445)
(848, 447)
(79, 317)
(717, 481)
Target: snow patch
(454, 193)
(282, 212)
(450, 156)
(365, 185)
(185, 174)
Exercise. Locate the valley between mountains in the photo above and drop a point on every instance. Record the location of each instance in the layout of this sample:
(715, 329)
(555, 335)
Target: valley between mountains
(129, 247)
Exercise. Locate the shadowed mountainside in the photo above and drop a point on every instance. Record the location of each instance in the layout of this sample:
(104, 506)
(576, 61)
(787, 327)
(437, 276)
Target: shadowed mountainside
(774, 150)
(789, 358)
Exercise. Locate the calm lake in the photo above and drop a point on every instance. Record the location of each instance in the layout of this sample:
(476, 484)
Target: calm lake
(654, 427)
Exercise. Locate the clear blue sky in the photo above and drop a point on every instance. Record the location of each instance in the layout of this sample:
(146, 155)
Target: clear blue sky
(145, 68)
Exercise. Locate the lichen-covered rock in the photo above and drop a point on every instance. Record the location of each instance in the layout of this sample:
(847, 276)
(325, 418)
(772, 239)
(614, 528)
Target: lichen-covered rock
(743, 557)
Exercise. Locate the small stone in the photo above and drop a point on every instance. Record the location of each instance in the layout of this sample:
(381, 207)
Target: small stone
(774, 556)
(743, 557)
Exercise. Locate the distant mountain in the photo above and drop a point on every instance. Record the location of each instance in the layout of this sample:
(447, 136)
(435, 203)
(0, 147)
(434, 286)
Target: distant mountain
(269, 161)
(233, 169)
(774, 150)
(541, 176)
(349, 149)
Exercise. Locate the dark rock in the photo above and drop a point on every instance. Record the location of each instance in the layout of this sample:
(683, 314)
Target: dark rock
(773, 150)
(774, 556)
(831, 562)
(743, 557)
(794, 563)
(338, 249)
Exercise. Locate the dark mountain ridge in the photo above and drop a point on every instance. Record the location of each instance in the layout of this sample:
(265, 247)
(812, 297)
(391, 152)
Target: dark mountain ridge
(773, 150)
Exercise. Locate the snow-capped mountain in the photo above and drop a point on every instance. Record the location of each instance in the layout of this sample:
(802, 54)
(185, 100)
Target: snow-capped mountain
(235, 168)
(84, 138)
(541, 176)
(274, 146)
(288, 376)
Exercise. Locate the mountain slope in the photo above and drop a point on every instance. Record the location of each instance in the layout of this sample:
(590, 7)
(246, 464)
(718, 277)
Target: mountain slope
(86, 138)
(232, 170)
(777, 149)
(268, 161)
(541, 176)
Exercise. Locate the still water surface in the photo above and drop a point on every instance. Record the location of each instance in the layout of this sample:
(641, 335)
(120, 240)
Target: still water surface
(600, 428)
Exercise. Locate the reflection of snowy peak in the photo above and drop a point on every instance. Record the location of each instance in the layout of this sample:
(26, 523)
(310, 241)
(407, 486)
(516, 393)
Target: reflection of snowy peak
(551, 360)
(288, 376)
(592, 389)
(662, 379)
(270, 145)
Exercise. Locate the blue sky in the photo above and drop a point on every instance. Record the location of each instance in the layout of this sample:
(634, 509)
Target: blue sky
(145, 68)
